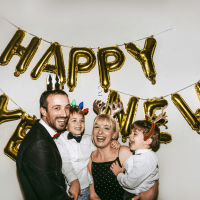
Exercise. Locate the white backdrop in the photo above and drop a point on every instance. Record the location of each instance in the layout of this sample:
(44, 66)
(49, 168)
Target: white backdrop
(103, 23)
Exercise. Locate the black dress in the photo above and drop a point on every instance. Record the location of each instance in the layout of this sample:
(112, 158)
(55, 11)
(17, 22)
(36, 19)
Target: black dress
(105, 182)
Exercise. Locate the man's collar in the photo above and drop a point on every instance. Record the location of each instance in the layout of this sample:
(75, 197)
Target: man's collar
(49, 129)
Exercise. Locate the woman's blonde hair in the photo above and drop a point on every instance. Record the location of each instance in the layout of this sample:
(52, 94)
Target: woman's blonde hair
(111, 122)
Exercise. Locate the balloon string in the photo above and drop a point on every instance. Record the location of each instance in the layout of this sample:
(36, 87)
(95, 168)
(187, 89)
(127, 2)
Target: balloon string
(90, 47)
(14, 102)
(161, 96)
(100, 94)
(181, 89)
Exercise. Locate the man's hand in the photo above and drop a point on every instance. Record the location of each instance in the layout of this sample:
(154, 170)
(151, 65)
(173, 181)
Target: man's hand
(115, 144)
(116, 169)
(74, 189)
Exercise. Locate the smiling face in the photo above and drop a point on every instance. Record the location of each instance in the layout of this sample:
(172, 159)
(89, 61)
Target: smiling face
(76, 124)
(57, 113)
(137, 140)
(103, 132)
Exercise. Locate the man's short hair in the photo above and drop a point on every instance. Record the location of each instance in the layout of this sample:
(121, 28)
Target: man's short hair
(145, 127)
(45, 94)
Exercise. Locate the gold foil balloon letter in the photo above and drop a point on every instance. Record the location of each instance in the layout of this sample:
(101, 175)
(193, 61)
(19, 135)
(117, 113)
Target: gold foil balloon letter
(14, 48)
(105, 67)
(58, 68)
(124, 119)
(145, 57)
(197, 88)
(6, 115)
(187, 113)
(150, 107)
(76, 67)
(11, 149)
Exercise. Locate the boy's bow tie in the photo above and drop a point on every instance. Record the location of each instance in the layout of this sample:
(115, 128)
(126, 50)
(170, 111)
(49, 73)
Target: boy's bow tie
(77, 138)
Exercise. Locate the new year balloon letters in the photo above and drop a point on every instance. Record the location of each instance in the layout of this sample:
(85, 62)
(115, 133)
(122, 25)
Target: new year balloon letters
(187, 113)
(124, 119)
(6, 115)
(11, 148)
(150, 107)
(59, 68)
(76, 67)
(145, 57)
(105, 67)
(14, 48)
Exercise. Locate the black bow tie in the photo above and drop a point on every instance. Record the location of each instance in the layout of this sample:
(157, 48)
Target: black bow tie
(77, 138)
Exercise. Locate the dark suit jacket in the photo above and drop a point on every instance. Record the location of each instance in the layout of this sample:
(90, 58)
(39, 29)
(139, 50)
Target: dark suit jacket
(39, 166)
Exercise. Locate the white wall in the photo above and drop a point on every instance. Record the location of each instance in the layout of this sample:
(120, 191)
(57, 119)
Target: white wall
(94, 23)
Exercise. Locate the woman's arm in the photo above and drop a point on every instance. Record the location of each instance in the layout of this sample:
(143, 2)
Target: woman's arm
(150, 194)
(93, 195)
(124, 154)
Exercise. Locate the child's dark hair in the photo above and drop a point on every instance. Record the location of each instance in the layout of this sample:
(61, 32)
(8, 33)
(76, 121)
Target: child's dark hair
(76, 109)
(145, 126)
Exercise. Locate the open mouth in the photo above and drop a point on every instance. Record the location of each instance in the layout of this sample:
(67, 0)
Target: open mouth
(62, 121)
(100, 139)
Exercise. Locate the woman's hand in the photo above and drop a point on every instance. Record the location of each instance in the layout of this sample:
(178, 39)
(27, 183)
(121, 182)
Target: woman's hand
(116, 169)
(93, 195)
(150, 194)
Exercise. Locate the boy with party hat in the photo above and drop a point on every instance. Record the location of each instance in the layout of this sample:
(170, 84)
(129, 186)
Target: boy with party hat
(75, 148)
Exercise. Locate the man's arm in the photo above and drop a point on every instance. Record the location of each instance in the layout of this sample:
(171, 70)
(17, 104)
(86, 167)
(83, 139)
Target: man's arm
(38, 165)
(150, 194)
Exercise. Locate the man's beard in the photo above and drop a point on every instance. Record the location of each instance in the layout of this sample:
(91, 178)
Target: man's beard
(53, 124)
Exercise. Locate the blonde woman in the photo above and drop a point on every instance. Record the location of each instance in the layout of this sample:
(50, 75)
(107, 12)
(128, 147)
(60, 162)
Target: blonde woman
(105, 185)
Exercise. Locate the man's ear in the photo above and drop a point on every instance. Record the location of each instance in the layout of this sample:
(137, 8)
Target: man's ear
(149, 141)
(43, 111)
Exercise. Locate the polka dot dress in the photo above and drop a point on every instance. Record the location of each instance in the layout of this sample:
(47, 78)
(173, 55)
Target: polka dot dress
(105, 182)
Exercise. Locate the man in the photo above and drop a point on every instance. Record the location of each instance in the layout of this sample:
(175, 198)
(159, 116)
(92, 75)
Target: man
(38, 160)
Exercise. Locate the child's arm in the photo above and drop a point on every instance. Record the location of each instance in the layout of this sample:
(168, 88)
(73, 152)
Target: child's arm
(137, 170)
(68, 170)
(115, 144)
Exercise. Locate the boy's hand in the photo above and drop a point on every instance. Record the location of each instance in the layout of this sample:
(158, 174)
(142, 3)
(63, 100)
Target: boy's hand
(115, 144)
(74, 189)
(116, 169)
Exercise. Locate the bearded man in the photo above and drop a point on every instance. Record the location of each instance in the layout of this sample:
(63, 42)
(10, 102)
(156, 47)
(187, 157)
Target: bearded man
(38, 160)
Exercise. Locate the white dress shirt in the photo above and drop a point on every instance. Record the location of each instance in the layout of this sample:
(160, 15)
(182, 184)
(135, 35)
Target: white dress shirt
(75, 158)
(141, 171)
(49, 129)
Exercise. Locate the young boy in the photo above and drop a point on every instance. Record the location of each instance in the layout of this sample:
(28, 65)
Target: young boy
(141, 170)
(75, 149)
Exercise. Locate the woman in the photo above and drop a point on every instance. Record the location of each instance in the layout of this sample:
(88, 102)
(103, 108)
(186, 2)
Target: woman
(106, 186)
